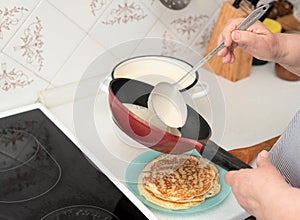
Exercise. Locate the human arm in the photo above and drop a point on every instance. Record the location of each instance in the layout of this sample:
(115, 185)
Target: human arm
(263, 192)
(261, 43)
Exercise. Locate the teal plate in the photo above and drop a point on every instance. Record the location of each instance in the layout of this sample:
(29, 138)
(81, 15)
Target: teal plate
(136, 166)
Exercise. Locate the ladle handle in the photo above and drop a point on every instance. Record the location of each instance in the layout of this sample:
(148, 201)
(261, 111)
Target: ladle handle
(221, 157)
(247, 22)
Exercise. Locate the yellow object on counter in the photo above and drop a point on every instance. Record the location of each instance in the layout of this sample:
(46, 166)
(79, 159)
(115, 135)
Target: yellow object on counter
(272, 25)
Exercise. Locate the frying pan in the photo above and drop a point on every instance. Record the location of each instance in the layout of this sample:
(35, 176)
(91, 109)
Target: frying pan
(195, 133)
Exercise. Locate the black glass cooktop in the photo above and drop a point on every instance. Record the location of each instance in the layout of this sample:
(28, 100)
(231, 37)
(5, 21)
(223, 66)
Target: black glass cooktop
(43, 175)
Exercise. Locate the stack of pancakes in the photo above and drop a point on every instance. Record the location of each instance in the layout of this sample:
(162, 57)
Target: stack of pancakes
(178, 181)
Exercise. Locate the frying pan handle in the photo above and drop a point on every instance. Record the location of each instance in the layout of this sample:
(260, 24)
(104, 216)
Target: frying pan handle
(221, 157)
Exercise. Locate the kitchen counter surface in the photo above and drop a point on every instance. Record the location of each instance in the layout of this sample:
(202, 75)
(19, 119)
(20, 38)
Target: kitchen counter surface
(251, 110)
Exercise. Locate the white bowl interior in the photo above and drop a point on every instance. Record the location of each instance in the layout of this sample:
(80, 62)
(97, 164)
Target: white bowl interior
(155, 69)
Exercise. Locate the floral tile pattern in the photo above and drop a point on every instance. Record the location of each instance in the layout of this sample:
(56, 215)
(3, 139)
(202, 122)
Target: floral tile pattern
(97, 5)
(32, 44)
(11, 79)
(45, 41)
(202, 40)
(51, 43)
(127, 18)
(18, 85)
(125, 13)
(186, 24)
(10, 17)
(12, 14)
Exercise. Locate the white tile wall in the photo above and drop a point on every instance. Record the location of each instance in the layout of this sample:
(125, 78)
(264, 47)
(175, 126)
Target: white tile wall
(45, 41)
(186, 24)
(12, 15)
(18, 85)
(158, 41)
(73, 69)
(53, 42)
(82, 12)
(202, 39)
(123, 21)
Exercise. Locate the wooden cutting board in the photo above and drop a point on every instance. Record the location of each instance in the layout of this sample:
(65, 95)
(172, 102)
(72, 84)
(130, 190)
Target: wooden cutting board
(242, 66)
(247, 154)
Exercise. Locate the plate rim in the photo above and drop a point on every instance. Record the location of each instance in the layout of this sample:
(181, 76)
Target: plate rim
(132, 186)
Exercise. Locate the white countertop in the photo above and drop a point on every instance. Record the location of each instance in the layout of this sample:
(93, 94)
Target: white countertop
(241, 114)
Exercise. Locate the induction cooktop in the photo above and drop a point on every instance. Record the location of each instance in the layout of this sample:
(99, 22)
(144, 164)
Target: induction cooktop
(45, 175)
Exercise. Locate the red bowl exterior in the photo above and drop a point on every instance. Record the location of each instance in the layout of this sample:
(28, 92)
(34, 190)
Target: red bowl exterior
(147, 134)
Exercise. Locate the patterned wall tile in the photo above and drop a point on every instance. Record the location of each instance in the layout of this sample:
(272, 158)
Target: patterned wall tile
(18, 85)
(201, 42)
(12, 14)
(124, 20)
(45, 41)
(83, 12)
(187, 23)
(55, 41)
(74, 68)
(159, 41)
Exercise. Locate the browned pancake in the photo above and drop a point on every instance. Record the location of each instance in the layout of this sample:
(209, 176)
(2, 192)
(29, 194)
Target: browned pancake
(165, 203)
(184, 180)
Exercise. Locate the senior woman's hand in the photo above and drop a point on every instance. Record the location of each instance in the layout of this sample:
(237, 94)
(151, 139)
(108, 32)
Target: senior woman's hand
(263, 192)
(257, 40)
(261, 43)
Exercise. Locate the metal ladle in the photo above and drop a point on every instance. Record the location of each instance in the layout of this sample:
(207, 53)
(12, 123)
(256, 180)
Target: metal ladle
(166, 100)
